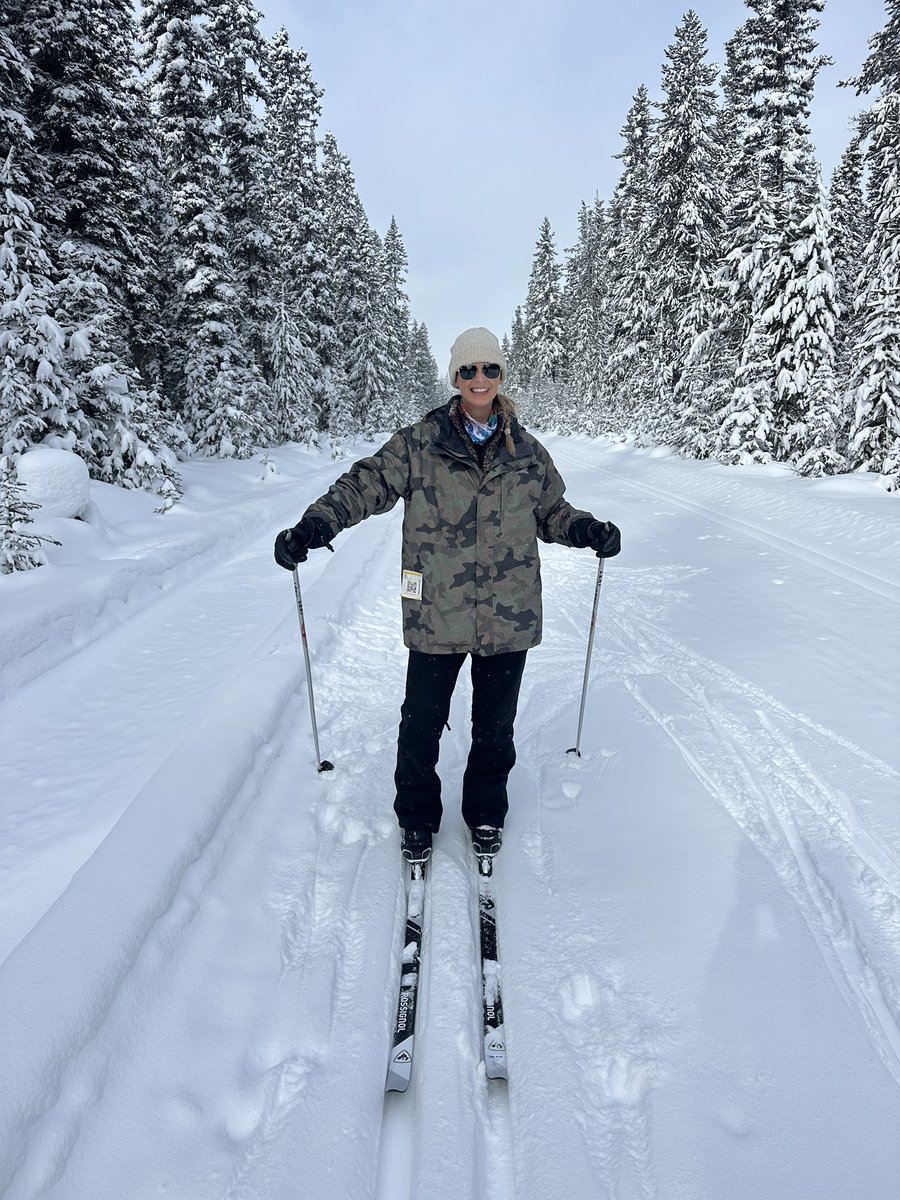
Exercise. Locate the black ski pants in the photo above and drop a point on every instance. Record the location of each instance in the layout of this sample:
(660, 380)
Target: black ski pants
(430, 680)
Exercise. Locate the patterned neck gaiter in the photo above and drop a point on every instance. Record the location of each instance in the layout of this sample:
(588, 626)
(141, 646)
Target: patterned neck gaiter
(477, 432)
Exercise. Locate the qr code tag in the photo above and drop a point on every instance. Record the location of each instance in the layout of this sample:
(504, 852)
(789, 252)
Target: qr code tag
(411, 587)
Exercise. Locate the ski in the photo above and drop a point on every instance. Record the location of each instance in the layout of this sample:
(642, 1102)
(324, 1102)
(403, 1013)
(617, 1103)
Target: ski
(401, 1061)
(494, 1036)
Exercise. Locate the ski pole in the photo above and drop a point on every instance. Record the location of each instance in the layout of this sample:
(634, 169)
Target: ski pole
(322, 764)
(576, 749)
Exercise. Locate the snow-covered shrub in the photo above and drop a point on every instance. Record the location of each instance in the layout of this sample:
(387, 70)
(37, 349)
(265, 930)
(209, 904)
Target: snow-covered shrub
(55, 480)
(19, 549)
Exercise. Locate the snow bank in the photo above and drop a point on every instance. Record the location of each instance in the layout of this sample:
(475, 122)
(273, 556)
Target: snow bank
(57, 480)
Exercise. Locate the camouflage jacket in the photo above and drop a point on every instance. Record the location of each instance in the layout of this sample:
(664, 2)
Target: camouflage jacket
(471, 572)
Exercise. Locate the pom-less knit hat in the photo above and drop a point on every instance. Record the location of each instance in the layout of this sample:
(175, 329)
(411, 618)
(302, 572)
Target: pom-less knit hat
(476, 345)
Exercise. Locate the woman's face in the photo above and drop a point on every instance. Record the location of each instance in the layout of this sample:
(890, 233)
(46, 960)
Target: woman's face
(479, 391)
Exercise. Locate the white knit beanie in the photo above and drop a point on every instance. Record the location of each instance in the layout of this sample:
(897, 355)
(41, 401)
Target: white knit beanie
(476, 345)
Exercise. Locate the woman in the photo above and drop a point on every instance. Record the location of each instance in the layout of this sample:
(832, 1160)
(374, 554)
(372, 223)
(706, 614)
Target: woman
(478, 492)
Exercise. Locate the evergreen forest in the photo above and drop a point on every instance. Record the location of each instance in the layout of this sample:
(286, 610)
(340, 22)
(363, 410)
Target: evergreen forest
(186, 267)
(724, 301)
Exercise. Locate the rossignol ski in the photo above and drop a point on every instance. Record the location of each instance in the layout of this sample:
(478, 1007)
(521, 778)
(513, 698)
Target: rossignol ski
(401, 1061)
(494, 1036)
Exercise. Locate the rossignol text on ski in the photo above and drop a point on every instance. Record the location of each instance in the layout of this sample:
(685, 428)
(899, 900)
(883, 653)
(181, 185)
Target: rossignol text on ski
(403, 1043)
(492, 999)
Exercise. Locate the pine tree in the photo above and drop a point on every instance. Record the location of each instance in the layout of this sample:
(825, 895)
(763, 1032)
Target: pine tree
(216, 392)
(587, 335)
(790, 291)
(422, 372)
(545, 331)
(240, 50)
(685, 235)
(713, 365)
(875, 363)
(629, 374)
(37, 401)
(851, 230)
(293, 364)
(519, 368)
(780, 261)
(294, 205)
(807, 360)
(84, 110)
(370, 368)
(19, 549)
(747, 418)
(36, 397)
(396, 316)
(15, 131)
(348, 252)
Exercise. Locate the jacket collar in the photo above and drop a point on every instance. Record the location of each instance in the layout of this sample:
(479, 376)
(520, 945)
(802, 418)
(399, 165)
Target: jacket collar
(448, 440)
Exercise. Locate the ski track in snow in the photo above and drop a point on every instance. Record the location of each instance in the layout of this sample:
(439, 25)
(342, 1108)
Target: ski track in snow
(804, 519)
(743, 746)
(198, 624)
(76, 1081)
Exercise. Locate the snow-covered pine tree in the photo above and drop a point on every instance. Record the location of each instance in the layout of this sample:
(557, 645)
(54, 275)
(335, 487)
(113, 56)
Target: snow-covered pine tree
(685, 236)
(84, 110)
(347, 252)
(875, 361)
(850, 233)
(237, 93)
(17, 137)
(506, 347)
(518, 380)
(789, 271)
(370, 367)
(744, 434)
(20, 550)
(180, 63)
(587, 336)
(545, 332)
(294, 205)
(422, 372)
(293, 363)
(628, 402)
(147, 283)
(397, 324)
(714, 361)
(36, 399)
(810, 308)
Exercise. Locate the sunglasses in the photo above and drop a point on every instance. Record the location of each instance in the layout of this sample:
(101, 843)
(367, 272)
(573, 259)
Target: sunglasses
(489, 371)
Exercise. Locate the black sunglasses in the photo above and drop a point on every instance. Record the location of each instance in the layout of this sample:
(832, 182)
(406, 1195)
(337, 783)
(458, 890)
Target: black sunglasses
(489, 371)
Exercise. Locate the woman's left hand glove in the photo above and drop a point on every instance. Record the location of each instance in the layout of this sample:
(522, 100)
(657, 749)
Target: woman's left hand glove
(602, 537)
(292, 545)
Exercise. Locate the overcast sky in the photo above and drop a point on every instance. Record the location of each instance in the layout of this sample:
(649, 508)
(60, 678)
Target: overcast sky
(472, 121)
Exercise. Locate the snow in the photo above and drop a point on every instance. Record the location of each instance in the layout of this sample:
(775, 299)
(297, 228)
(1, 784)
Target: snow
(55, 479)
(698, 921)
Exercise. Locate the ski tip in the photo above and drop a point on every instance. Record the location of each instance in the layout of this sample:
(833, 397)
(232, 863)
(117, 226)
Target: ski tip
(495, 1054)
(400, 1067)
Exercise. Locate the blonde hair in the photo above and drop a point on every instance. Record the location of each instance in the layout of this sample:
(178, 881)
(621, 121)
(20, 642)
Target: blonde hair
(509, 410)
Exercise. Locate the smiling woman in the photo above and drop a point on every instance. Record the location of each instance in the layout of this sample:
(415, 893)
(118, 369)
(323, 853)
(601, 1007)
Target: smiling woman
(479, 491)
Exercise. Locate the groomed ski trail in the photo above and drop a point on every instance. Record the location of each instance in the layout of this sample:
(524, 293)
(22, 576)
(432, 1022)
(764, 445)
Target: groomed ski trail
(696, 920)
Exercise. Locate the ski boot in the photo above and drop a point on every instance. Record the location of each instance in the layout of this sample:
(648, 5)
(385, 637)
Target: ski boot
(486, 840)
(416, 844)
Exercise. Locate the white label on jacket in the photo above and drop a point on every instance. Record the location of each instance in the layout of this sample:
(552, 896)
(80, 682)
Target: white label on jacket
(411, 587)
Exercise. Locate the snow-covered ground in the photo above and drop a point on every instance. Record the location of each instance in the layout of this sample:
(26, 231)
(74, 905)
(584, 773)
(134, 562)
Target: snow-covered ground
(699, 920)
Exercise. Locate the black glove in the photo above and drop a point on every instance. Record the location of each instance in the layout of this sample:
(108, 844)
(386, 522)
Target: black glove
(292, 545)
(601, 536)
